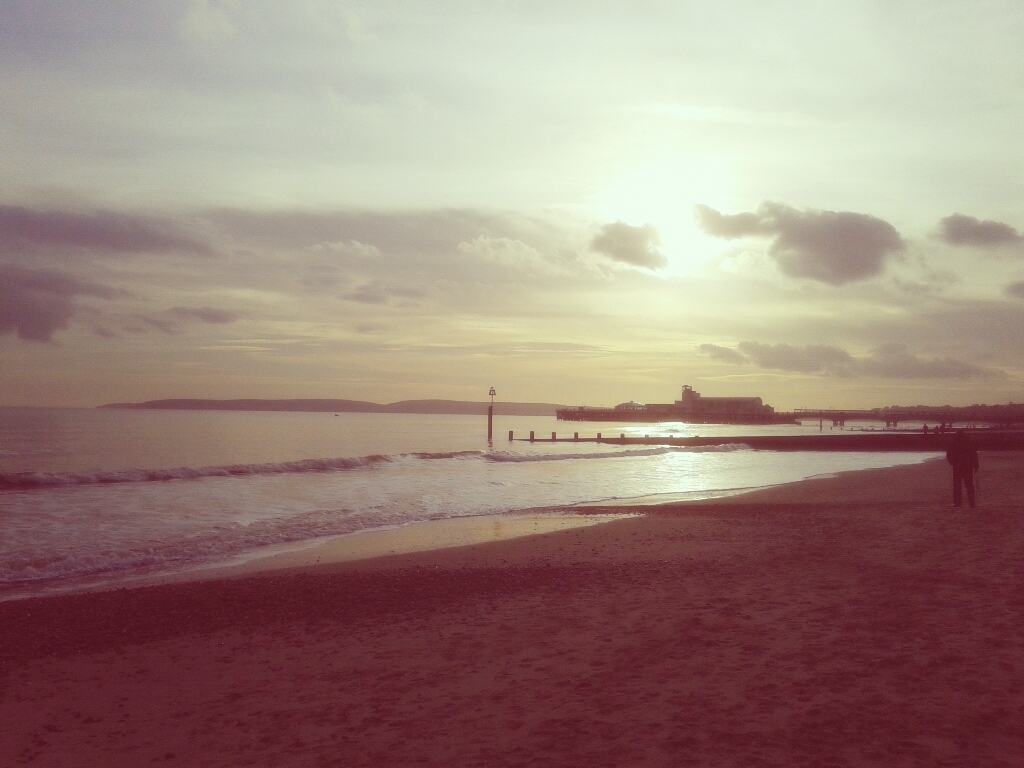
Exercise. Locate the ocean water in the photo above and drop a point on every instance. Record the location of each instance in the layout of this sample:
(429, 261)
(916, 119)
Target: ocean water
(92, 494)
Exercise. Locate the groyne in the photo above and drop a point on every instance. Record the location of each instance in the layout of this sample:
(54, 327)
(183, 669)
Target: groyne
(983, 440)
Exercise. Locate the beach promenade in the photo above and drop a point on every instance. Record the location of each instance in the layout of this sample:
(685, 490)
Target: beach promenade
(857, 620)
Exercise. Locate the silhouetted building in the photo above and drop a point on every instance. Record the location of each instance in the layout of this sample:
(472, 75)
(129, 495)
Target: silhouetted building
(691, 407)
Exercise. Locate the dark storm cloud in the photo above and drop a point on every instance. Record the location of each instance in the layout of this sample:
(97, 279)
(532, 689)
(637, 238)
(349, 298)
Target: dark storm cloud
(835, 247)
(24, 230)
(889, 361)
(35, 304)
(630, 245)
(967, 230)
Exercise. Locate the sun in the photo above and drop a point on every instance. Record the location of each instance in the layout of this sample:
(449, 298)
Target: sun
(664, 194)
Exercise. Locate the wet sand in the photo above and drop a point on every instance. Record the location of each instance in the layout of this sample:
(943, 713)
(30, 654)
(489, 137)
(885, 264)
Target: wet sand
(856, 620)
(413, 537)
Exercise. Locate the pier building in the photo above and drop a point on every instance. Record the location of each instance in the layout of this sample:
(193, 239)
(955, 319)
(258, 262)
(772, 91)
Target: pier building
(691, 407)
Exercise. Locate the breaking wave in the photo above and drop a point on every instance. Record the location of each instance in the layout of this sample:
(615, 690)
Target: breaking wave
(21, 481)
(25, 481)
(511, 456)
(218, 543)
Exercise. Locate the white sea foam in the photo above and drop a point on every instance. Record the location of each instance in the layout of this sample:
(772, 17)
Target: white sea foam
(138, 511)
(660, 451)
(27, 480)
(20, 481)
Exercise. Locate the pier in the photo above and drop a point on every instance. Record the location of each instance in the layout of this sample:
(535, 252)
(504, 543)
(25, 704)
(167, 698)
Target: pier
(693, 408)
(998, 415)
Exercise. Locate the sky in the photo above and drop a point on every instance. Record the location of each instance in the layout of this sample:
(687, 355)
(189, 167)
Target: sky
(820, 204)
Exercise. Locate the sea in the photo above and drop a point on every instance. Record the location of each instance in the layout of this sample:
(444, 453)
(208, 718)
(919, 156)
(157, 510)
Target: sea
(90, 496)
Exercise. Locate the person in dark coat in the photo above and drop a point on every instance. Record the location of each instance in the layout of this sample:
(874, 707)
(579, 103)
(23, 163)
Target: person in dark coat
(964, 460)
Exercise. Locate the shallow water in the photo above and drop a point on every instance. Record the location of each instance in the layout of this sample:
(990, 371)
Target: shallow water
(85, 493)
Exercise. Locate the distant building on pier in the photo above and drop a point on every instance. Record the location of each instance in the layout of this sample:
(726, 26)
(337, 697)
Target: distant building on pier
(691, 407)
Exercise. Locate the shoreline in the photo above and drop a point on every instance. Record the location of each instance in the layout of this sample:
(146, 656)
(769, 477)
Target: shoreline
(416, 536)
(407, 538)
(848, 620)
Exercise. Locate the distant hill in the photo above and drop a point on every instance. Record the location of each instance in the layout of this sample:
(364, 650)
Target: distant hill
(346, 406)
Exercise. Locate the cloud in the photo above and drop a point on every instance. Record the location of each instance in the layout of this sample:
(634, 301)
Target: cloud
(424, 251)
(630, 245)
(812, 358)
(371, 233)
(35, 304)
(23, 230)
(210, 22)
(339, 23)
(894, 361)
(168, 321)
(736, 225)
(205, 314)
(889, 361)
(724, 354)
(829, 246)
(349, 248)
(137, 323)
(372, 293)
(511, 253)
(967, 230)
(1016, 290)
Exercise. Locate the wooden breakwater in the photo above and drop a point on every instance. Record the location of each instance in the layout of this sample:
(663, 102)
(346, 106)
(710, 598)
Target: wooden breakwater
(983, 440)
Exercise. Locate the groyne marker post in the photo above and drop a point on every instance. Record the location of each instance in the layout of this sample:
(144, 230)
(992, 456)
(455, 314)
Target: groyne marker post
(490, 417)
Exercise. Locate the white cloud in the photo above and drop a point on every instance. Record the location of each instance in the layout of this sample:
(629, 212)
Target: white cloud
(210, 21)
(349, 248)
(511, 253)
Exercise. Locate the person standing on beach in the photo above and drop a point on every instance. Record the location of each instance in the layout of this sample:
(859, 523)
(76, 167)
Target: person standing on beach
(964, 460)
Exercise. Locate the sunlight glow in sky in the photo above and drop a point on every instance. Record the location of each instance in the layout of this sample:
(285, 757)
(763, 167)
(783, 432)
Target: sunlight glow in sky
(574, 203)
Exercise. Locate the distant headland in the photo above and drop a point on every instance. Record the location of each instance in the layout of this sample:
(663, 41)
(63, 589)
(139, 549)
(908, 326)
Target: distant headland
(466, 407)
(690, 408)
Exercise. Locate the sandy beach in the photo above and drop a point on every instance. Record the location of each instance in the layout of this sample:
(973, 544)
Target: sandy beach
(854, 620)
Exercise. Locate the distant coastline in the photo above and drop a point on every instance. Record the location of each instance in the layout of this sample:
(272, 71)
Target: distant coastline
(458, 407)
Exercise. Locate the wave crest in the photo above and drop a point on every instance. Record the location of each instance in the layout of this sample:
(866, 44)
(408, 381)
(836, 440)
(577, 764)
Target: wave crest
(22, 481)
(507, 456)
(27, 481)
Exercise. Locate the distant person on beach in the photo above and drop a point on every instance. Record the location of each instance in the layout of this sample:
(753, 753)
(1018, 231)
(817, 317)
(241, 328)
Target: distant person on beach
(964, 460)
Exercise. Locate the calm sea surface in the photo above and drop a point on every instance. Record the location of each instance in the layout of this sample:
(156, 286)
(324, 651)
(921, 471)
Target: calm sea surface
(88, 494)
